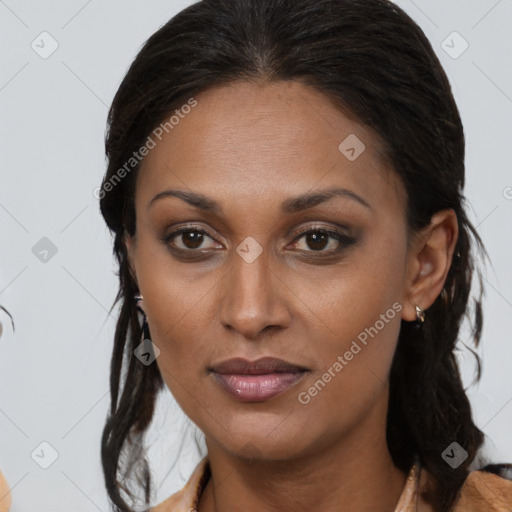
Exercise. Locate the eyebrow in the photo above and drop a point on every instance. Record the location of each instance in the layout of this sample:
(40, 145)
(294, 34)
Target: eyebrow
(291, 205)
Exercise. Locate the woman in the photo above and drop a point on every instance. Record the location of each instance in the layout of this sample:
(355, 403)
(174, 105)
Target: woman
(284, 186)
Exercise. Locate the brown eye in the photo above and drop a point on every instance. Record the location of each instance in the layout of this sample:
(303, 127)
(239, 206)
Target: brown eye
(322, 240)
(192, 239)
(188, 239)
(316, 240)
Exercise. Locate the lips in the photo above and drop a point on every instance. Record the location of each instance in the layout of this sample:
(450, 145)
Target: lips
(261, 366)
(256, 381)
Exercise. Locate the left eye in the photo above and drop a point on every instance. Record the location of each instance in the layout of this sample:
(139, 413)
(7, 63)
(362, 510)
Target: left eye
(318, 239)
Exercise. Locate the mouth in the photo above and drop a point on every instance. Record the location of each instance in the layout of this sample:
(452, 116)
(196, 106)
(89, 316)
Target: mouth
(256, 381)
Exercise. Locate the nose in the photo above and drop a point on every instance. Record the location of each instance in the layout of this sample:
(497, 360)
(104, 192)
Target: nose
(253, 298)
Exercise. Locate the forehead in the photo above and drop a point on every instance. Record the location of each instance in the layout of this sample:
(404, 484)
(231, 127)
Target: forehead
(266, 137)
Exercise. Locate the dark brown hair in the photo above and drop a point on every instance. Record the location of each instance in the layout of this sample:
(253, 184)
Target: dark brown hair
(373, 61)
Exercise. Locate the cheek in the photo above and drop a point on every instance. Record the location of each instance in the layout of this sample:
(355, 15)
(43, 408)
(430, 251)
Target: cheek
(353, 375)
(357, 317)
(351, 297)
(174, 304)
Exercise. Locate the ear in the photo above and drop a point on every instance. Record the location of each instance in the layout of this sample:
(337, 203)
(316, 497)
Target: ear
(429, 260)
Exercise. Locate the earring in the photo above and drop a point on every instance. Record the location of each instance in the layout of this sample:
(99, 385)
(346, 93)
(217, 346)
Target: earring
(420, 315)
(143, 322)
(147, 351)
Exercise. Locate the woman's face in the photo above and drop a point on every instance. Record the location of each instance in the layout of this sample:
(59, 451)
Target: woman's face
(244, 281)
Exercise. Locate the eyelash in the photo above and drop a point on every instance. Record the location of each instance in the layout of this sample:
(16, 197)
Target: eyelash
(344, 240)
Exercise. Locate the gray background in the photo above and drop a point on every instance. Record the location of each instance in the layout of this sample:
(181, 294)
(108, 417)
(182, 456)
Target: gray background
(54, 368)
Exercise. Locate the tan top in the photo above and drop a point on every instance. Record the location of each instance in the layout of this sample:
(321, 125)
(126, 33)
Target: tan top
(482, 492)
(5, 494)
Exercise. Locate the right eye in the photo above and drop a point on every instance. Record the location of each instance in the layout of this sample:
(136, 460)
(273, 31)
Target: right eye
(187, 239)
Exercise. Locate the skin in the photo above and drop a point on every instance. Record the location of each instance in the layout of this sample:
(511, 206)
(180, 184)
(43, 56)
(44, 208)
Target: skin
(251, 146)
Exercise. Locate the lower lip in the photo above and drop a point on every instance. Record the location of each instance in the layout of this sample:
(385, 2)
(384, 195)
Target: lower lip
(257, 388)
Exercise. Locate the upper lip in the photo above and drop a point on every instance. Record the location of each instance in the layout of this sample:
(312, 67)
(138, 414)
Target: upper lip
(262, 366)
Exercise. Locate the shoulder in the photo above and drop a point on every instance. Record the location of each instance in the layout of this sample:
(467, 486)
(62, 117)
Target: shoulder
(488, 489)
(186, 499)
